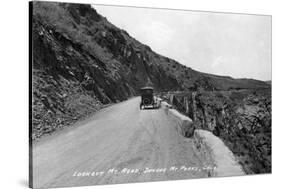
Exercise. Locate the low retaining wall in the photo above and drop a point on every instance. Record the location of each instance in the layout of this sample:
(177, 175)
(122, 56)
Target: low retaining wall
(219, 154)
(211, 147)
(186, 127)
(185, 124)
(165, 105)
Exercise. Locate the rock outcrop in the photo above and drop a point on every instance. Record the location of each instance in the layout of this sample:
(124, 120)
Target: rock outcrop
(242, 119)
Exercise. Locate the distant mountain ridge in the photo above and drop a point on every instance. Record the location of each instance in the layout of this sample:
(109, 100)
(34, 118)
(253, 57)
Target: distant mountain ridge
(268, 82)
(82, 61)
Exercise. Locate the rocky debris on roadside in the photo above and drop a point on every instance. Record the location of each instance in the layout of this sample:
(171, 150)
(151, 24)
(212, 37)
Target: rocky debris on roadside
(57, 104)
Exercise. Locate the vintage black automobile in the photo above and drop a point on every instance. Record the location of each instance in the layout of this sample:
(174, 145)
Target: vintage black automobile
(147, 98)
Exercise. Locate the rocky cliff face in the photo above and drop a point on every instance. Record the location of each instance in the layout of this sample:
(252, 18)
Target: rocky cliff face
(242, 119)
(82, 62)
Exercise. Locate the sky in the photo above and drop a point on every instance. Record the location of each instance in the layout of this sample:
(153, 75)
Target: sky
(236, 45)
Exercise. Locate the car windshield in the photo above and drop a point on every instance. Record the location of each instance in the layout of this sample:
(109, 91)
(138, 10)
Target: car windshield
(147, 91)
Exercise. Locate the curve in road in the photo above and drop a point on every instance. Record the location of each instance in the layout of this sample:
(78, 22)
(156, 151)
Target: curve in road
(119, 144)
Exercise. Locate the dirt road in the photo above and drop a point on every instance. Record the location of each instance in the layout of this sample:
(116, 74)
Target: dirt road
(118, 144)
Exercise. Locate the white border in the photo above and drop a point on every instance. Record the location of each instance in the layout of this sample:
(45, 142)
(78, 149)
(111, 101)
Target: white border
(14, 90)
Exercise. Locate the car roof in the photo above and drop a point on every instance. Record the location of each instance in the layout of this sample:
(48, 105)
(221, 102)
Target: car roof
(144, 88)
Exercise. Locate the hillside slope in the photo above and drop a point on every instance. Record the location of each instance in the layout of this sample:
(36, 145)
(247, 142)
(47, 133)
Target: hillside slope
(82, 62)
